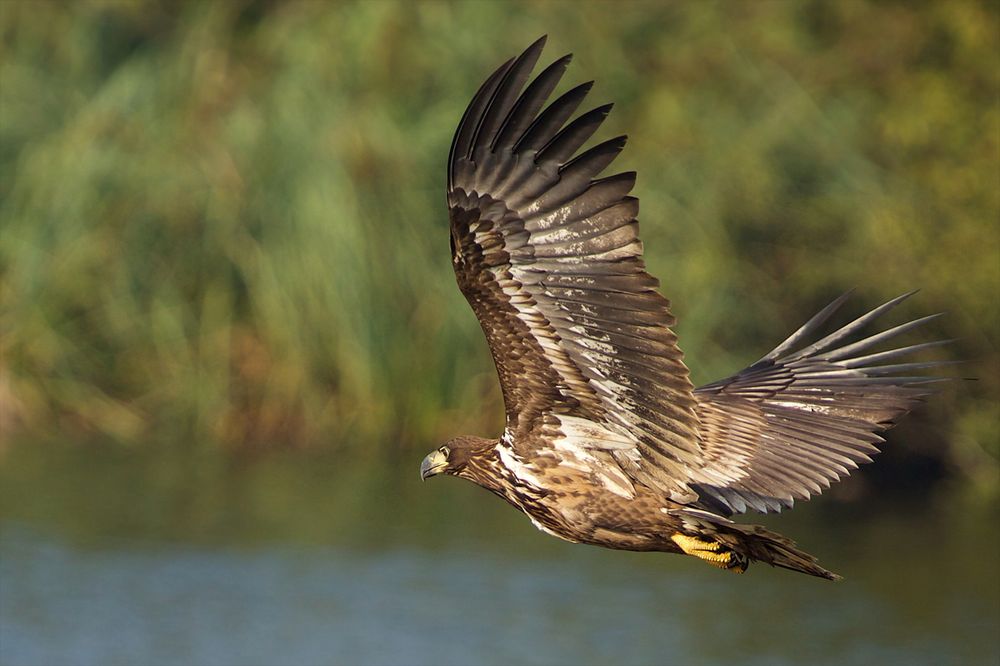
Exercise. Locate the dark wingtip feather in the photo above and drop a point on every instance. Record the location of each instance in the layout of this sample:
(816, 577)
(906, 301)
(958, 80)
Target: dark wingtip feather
(807, 328)
(504, 97)
(551, 120)
(569, 139)
(784, 350)
(869, 359)
(822, 350)
(530, 103)
(596, 159)
(461, 145)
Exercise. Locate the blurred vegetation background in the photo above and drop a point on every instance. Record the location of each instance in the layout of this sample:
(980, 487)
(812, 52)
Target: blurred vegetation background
(223, 230)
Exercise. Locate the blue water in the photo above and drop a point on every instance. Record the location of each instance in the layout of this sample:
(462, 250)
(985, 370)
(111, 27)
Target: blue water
(129, 602)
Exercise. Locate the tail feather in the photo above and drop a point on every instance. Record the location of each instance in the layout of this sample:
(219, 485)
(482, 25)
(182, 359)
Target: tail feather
(763, 545)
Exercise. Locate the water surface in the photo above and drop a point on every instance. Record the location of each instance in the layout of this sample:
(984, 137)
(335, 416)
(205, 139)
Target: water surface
(394, 572)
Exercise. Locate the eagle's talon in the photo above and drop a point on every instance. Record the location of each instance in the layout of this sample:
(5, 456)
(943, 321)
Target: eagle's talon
(709, 551)
(695, 546)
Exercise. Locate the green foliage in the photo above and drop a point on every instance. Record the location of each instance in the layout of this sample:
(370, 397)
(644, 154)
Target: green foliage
(224, 221)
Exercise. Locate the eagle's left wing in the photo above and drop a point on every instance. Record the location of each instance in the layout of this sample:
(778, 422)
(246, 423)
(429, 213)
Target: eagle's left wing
(805, 415)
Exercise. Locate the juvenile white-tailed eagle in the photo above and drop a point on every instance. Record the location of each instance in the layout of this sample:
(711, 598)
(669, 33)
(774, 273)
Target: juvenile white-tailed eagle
(607, 442)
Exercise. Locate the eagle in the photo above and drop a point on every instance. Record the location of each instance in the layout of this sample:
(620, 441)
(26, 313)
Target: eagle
(606, 440)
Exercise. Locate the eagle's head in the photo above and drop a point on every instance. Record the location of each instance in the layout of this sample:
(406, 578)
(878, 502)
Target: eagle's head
(453, 458)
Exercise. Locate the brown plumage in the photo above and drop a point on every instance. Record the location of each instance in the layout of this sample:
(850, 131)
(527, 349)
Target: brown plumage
(607, 442)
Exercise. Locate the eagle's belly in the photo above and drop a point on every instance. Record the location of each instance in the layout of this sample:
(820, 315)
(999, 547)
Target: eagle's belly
(594, 516)
(576, 505)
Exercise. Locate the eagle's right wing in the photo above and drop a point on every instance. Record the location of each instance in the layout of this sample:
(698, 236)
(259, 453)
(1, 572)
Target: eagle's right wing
(549, 258)
(803, 417)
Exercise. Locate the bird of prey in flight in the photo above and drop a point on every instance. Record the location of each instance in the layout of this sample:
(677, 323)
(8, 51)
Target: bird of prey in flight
(607, 442)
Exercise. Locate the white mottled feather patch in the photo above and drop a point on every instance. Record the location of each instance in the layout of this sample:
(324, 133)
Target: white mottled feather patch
(583, 433)
(615, 480)
(582, 440)
(520, 469)
(543, 528)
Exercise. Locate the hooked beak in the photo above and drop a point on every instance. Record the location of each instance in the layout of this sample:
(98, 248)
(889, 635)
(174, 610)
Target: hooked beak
(434, 463)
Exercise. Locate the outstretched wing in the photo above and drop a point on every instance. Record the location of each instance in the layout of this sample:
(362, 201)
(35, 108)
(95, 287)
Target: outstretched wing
(800, 419)
(548, 255)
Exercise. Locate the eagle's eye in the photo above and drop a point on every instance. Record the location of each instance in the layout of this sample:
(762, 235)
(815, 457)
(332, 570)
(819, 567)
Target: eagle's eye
(445, 451)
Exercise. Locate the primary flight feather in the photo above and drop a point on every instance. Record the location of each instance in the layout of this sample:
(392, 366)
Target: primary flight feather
(607, 442)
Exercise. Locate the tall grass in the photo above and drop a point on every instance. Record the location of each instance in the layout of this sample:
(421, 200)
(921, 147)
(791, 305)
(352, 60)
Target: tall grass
(224, 222)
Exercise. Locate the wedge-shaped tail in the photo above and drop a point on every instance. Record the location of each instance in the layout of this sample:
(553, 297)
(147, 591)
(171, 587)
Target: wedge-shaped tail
(806, 414)
(760, 544)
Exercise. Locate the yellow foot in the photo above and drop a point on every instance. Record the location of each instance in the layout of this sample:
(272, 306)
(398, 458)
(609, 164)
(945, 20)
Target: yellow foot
(712, 552)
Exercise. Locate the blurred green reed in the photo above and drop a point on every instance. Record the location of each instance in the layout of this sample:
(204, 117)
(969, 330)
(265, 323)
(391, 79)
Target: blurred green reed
(224, 222)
